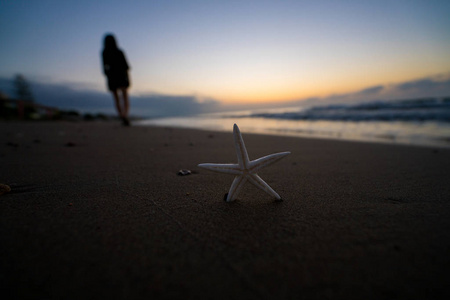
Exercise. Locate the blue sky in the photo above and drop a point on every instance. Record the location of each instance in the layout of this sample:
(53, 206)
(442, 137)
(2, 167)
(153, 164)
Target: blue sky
(231, 51)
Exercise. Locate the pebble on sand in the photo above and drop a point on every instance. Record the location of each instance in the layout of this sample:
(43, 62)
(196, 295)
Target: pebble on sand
(184, 172)
(4, 189)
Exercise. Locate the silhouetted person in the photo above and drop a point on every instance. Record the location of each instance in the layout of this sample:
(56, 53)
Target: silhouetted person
(116, 68)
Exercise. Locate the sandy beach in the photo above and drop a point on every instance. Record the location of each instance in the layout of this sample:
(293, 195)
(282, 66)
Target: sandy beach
(97, 211)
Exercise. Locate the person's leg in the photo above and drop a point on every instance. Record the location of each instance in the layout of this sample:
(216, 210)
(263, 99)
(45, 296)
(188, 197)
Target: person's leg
(117, 103)
(126, 103)
(124, 107)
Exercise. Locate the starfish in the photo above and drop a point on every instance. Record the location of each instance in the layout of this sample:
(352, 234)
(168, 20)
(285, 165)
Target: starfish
(245, 170)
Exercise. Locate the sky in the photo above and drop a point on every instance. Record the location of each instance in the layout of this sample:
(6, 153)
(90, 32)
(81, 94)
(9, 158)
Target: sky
(234, 52)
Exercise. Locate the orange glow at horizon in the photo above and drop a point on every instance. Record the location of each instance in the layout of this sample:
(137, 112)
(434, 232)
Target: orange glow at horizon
(311, 89)
(237, 82)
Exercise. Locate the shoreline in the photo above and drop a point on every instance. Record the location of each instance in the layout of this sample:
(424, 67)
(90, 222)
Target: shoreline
(98, 210)
(116, 123)
(225, 125)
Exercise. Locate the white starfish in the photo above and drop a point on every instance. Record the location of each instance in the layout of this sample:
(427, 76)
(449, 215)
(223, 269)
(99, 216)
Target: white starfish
(245, 169)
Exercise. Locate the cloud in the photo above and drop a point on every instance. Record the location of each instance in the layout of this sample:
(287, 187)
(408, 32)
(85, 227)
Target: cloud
(371, 90)
(68, 96)
(168, 105)
(65, 97)
(428, 85)
(433, 86)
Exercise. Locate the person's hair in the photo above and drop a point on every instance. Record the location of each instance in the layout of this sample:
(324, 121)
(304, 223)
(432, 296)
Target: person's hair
(110, 42)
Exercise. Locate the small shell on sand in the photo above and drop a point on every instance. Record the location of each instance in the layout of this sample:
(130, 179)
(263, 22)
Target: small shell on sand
(4, 189)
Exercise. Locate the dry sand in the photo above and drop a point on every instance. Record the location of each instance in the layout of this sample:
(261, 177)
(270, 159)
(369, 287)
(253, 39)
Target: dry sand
(97, 211)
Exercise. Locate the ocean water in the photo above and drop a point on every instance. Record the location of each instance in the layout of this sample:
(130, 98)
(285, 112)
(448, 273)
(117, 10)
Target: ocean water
(423, 122)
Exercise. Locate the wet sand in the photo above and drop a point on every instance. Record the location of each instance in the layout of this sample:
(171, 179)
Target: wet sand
(97, 211)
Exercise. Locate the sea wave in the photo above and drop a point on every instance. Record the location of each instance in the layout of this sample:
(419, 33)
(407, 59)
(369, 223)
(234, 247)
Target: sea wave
(426, 109)
(424, 122)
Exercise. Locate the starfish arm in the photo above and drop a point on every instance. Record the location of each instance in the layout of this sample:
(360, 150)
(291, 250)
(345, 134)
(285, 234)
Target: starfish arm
(236, 187)
(241, 151)
(258, 182)
(222, 168)
(262, 162)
